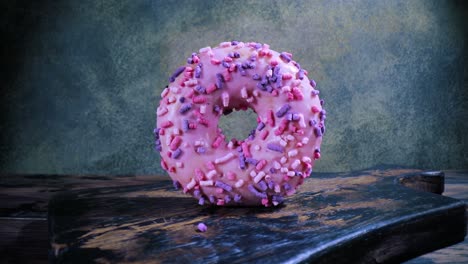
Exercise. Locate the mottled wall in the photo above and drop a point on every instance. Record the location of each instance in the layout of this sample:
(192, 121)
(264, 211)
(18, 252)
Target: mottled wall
(81, 79)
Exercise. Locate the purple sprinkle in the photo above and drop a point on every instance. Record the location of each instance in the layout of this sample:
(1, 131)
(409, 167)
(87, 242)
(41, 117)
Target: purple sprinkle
(156, 132)
(227, 199)
(245, 65)
(285, 57)
(298, 173)
(323, 129)
(237, 198)
(234, 42)
(312, 122)
(217, 109)
(185, 125)
(185, 108)
(322, 102)
(317, 132)
(201, 150)
(251, 161)
(212, 199)
(176, 73)
(176, 185)
(242, 162)
(256, 192)
(271, 184)
(269, 88)
(202, 227)
(279, 81)
(260, 126)
(182, 99)
(262, 185)
(190, 61)
(158, 148)
(258, 45)
(176, 154)
(283, 110)
(323, 115)
(201, 201)
(226, 64)
(198, 71)
(200, 89)
(272, 170)
(264, 80)
(315, 92)
(275, 147)
(197, 194)
(276, 70)
(313, 83)
(277, 198)
(261, 86)
(256, 77)
(243, 72)
(157, 142)
(251, 65)
(223, 185)
(236, 55)
(287, 186)
(251, 137)
(219, 80)
(300, 74)
(239, 149)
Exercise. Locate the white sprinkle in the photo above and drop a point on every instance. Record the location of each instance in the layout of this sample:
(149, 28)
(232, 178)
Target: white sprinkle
(202, 109)
(225, 97)
(171, 99)
(174, 89)
(179, 164)
(253, 173)
(283, 160)
(250, 99)
(305, 140)
(225, 44)
(269, 73)
(239, 183)
(257, 147)
(292, 153)
(244, 93)
(275, 203)
(162, 110)
(176, 131)
(290, 137)
(224, 159)
(191, 82)
(291, 173)
(164, 92)
(302, 121)
(256, 93)
(285, 89)
(306, 159)
(230, 145)
(276, 165)
(211, 174)
(277, 188)
(205, 49)
(295, 164)
(240, 45)
(283, 143)
(191, 184)
(198, 143)
(284, 169)
(206, 183)
(259, 176)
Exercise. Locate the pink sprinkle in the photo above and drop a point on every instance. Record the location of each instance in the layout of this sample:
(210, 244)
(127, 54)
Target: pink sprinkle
(162, 132)
(199, 174)
(188, 74)
(164, 164)
(217, 142)
(227, 59)
(190, 94)
(215, 61)
(200, 99)
(189, 69)
(211, 88)
(317, 155)
(219, 190)
(314, 109)
(290, 96)
(227, 76)
(287, 76)
(220, 201)
(245, 150)
(167, 124)
(172, 169)
(192, 125)
(203, 121)
(232, 67)
(261, 164)
(175, 143)
(264, 134)
(265, 201)
(202, 227)
(282, 127)
(297, 93)
(195, 59)
(231, 175)
(271, 118)
(210, 165)
(273, 63)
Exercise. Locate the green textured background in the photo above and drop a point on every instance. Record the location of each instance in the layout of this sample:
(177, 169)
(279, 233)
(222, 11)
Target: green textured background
(81, 79)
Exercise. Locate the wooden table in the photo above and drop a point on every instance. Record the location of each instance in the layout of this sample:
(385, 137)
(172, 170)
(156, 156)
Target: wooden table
(361, 216)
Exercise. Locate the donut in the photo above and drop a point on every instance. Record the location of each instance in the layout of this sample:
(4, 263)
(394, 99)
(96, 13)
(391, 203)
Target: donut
(279, 152)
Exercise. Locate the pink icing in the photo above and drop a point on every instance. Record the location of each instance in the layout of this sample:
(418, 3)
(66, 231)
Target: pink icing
(261, 169)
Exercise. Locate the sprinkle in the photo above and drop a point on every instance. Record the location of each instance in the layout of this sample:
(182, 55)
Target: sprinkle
(198, 71)
(202, 227)
(287, 186)
(305, 140)
(300, 74)
(237, 198)
(259, 177)
(277, 188)
(256, 192)
(176, 73)
(256, 77)
(227, 199)
(223, 185)
(283, 143)
(176, 154)
(284, 170)
(271, 118)
(191, 184)
(201, 201)
(200, 89)
(323, 115)
(239, 183)
(251, 161)
(176, 185)
(271, 184)
(292, 153)
(185, 125)
(204, 50)
(201, 150)
(277, 199)
(175, 143)
(225, 98)
(215, 61)
(260, 126)
(199, 99)
(285, 57)
(245, 149)
(313, 83)
(298, 95)
(283, 160)
(211, 174)
(295, 164)
(286, 76)
(179, 164)
(161, 111)
(262, 185)
(257, 147)
(224, 159)
(225, 44)
(219, 81)
(202, 109)
(276, 165)
(261, 164)
(226, 64)
(191, 83)
(315, 92)
(167, 124)
(283, 110)
(217, 142)
(196, 193)
(185, 108)
(253, 173)
(242, 162)
(275, 147)
(290, 137)
(231, 175)
(211, 198)
(317, 154)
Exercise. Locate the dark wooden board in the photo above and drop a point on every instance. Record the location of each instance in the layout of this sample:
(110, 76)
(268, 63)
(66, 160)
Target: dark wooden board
(336, 218)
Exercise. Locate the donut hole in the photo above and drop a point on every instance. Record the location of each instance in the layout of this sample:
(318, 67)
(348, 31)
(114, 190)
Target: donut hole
(238, 124)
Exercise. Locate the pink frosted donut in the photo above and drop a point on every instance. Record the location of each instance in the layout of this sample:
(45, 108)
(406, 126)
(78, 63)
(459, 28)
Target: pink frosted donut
(276, 157)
